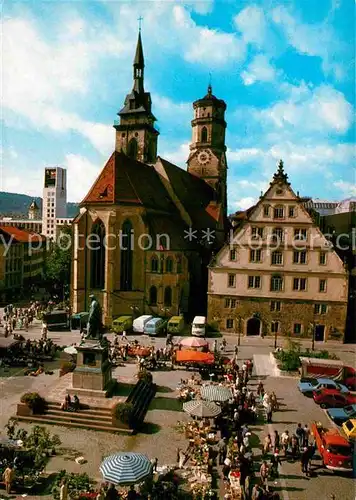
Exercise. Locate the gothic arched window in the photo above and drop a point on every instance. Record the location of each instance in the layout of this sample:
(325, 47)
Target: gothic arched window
(168, 296)
(97, 256)
(126, 257)
(154, 264)
(153, 296)
(204, 134)
(169, 265)
(132, 149)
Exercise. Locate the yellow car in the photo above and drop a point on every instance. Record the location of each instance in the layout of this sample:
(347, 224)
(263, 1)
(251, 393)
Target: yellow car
(349, 428)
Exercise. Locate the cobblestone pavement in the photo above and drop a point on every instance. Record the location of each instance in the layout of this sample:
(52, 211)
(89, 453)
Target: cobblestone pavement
(159, 439)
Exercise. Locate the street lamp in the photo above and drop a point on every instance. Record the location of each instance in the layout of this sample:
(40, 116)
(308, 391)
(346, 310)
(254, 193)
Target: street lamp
(313, 336)
(275, 336)
(239, 330)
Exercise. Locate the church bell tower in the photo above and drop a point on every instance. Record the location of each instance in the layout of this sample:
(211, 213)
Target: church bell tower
(207, 158)
(136, 135)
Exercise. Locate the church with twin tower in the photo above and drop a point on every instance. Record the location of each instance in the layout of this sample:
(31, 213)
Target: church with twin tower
(147, 229)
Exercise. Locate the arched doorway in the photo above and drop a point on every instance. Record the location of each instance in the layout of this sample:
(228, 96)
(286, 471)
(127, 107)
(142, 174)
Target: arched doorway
(253, 326)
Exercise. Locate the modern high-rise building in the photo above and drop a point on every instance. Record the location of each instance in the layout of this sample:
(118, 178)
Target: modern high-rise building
(54, 205)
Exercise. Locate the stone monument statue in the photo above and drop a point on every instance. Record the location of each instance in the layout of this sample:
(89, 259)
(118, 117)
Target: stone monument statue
(94, 321)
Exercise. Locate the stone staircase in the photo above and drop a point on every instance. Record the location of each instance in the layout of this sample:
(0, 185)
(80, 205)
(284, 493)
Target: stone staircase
(89, 417)
(96, 418)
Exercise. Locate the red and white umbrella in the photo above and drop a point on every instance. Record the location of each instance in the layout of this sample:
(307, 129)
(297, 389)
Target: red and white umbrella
(193, 342)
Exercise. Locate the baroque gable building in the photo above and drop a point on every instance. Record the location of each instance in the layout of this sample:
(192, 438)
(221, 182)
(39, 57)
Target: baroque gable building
(147, 228)
(278, 274)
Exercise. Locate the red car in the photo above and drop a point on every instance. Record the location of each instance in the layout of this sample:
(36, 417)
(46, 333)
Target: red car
(331, 398)
(350, 382)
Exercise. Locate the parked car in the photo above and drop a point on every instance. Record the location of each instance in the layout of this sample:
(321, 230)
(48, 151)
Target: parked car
(350, 382)
(332, 398)
(199, 326)
(334, 449)
(122, 323)
(340, 415)
(155, 326)
(138, 324)
(349, 428)
(308, 387)
(175, 325)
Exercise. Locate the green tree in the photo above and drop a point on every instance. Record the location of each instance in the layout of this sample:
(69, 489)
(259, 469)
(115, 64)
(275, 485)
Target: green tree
(59, 259)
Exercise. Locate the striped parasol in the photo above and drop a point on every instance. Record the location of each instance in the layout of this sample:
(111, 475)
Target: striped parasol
(216, 393)
(126, 468)
(202, 409)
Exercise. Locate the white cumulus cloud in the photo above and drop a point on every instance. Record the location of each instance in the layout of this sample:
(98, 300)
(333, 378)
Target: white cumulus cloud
(260, 69)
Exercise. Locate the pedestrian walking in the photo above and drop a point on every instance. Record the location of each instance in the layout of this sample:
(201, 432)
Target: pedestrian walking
(304, 460)
(8, 478)
(276, 441)
(267, 444)
(299, 432)
(264, 471)
(285, 438)
(269, 412)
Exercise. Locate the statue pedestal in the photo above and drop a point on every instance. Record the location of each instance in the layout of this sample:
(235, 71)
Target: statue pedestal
(93, 371)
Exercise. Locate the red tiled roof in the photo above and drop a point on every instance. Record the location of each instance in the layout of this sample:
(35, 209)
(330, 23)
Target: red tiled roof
(20, 235)
(124, 180)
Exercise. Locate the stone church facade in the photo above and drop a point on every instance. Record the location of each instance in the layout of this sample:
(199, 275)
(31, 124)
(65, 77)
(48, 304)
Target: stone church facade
(278, 275)
(147, 229)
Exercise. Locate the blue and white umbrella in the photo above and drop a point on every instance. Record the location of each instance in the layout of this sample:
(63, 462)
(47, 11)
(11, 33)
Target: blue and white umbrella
(126, 468)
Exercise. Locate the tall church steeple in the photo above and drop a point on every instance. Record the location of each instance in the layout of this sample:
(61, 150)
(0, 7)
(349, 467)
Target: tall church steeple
(136, 135)
(207, 158)
(138, 67)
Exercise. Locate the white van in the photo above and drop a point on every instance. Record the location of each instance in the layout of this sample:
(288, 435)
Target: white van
(198, 326)
(138, 324)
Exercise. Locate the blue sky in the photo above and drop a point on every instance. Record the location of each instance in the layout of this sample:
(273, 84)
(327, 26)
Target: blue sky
(284, 68)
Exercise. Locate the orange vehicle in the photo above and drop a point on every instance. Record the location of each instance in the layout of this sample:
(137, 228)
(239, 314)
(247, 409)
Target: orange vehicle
(334, 449)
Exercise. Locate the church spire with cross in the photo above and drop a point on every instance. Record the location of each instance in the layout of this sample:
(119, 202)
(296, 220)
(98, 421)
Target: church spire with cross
(136, 135)
(139, 66)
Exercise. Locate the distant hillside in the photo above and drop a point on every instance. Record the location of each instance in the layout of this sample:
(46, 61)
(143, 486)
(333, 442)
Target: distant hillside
(16, 205)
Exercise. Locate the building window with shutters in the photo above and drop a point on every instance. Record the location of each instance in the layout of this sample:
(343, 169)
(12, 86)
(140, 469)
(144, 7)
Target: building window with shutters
(278, 212)
(300, 234)
(322, 258)
(297, 328)
(322, 285)
(169, 265)
(278, 234)
(299, 257)
(230, 303)
(229, 323)
(231, 281)
(277, 258)
(255, 255)
(154, 264)
(266, 210)
(291, 212)
(320, 308)
(276, 283)
(254, 282)
(299, 284)
(233, 254)
(256, 232)
(275, 306)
